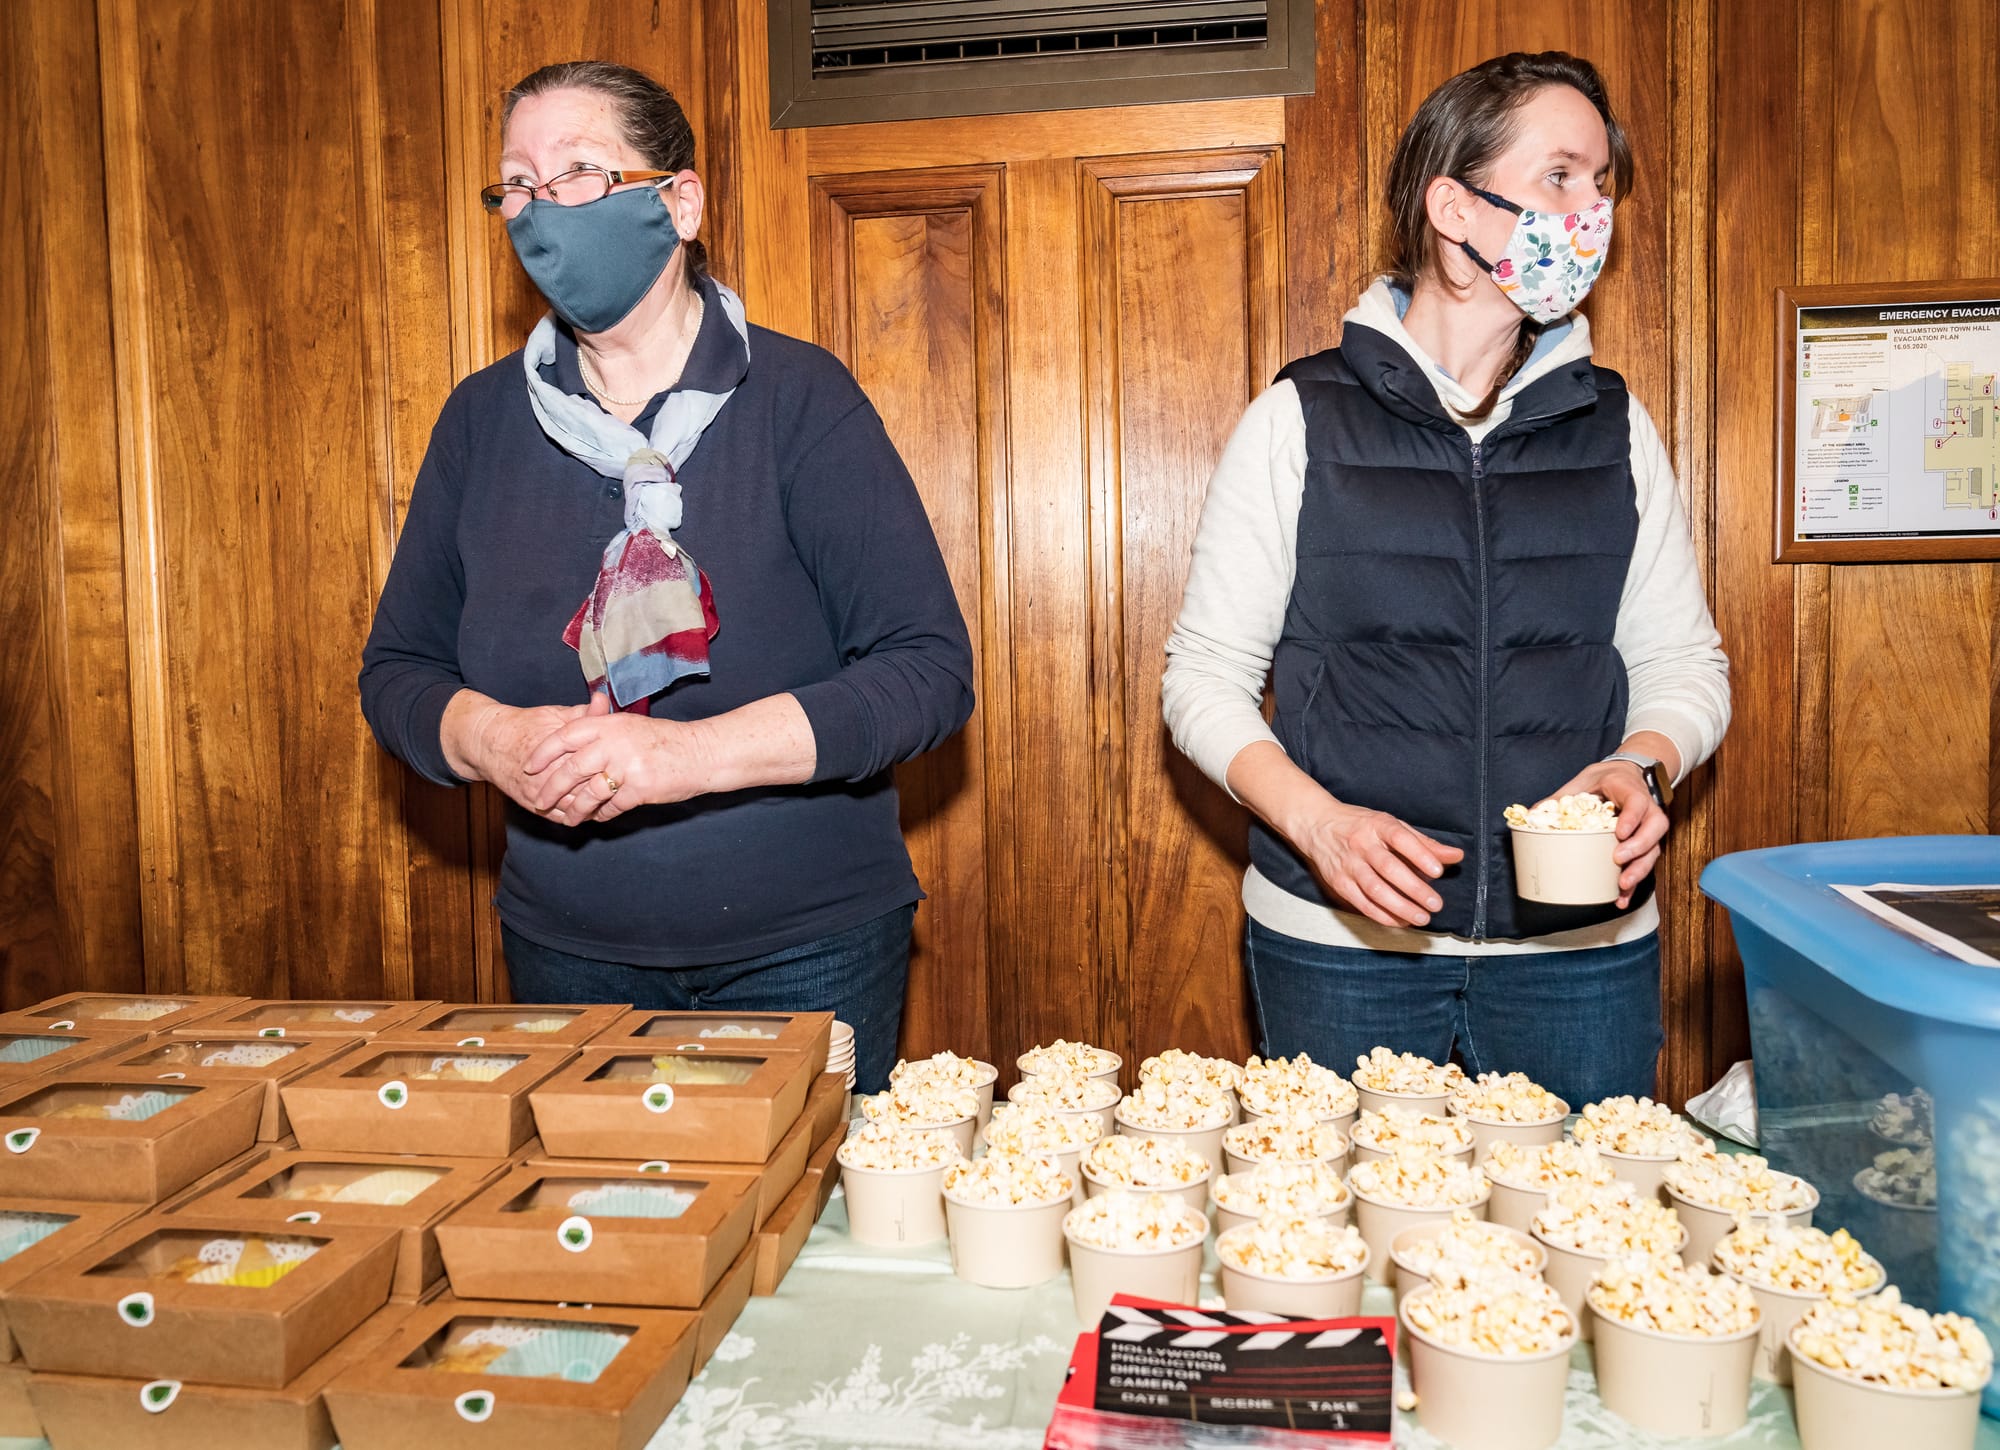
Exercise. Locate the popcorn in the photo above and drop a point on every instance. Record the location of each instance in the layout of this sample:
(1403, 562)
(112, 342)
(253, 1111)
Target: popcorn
(1135, 1221)
(1067, 1059)
(1904, 1177)
(1004, 1180)
(1774, 1255)
(1293, 1248)
(1174, 1065)
(1399, 1128)
(1414, 1179)
(1175, 1104)
(1663, 1294)
(1383, 1071)
(1883, 1341)
(1145, 1163)
(1638, 1127)
(1281, 1087)
(920, 1103)
(1506, 1315)
(1065, 1094)
(1545, 1166)
(1737, 1183)
(1290, 1190)
(889, 1148)
(1473, 1246)
(1507, 1098)
(1608, 1220)
(1567, 813)
(1032, 1128)
(1907, 1120)
(947, 1068)
(1285, 1140)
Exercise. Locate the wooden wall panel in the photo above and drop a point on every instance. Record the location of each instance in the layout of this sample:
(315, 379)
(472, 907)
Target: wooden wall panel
(912, 298)
(1158, 412)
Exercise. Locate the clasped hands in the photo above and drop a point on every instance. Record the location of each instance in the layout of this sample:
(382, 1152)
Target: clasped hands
(576, 763)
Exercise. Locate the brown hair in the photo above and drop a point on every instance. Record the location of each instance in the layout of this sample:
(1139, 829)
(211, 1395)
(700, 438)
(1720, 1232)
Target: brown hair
(650, 119)
(1459, 131)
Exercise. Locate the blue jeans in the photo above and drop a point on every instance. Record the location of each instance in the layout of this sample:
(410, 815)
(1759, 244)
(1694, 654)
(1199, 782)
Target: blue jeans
(1583, 1024)
(858, 975)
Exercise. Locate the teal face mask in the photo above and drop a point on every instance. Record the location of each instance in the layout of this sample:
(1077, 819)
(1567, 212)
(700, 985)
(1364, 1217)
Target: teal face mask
(595, 261)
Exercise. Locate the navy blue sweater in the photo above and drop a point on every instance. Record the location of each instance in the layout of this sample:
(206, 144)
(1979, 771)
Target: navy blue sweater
(829, 585)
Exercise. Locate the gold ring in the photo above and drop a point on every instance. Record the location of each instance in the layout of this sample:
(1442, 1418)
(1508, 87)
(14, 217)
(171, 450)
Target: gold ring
(611, 783)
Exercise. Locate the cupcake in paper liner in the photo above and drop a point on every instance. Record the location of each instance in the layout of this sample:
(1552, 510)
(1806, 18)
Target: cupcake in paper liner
(466, 1069)
(699, 1071)
(137, 1107)
(20, 1231)
(33, 1049)
(249, 1054)
(390, 1188)
(541, 1024)
(631, 1200)
(577, 1353)
(137, 1011)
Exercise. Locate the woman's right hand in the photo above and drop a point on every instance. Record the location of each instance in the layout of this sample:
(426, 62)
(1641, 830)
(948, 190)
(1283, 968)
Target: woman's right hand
(1376, 864)
(486, 740)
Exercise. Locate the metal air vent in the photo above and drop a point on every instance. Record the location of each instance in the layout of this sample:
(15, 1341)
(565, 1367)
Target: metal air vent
(835, 61)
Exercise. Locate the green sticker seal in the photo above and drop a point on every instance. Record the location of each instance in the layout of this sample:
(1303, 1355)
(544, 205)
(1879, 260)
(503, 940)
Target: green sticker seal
(475, 1407)
(656, 1165)
(136, 1310)
(393, 1094)
(156, 1395)
(575, 1233)
(658, 1097)
(66, 1025)
(172, 1076)
(270, 1032)
(308, 1215)
(471, 1042)
(22, 1139)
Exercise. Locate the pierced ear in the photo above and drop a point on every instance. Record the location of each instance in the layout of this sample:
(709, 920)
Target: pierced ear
(1446, 205)
(687, 190)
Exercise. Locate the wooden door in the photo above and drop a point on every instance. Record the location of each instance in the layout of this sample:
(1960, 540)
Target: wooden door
(1060, 317)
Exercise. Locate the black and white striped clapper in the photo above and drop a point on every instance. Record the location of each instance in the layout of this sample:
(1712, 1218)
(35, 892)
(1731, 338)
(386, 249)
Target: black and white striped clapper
(1244, 1368)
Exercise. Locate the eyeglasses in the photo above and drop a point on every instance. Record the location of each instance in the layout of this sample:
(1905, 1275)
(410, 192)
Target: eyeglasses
(572, 188)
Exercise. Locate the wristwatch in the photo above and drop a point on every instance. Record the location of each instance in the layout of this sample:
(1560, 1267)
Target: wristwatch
(1657, 781)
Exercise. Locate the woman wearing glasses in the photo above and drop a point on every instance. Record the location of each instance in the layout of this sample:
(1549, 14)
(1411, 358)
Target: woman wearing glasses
(1455, 545)
(666, 584)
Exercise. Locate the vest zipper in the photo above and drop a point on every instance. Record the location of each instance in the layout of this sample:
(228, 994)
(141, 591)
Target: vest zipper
(1482, 837)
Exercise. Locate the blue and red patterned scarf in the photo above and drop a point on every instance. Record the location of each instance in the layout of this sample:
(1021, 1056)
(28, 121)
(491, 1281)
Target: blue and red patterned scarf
(648, 619)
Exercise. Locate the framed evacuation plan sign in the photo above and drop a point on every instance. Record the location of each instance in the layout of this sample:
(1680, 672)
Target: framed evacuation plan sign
(1888, 436)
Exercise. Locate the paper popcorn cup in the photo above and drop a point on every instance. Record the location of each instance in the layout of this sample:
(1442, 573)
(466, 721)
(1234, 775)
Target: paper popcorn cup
(895, 1208)
(1111, 1072)
(1778, 1310)
(1380, 1222)
(1364, 1154)
(1839, 1412)
(1565, 868)
(1708, 1227)
(1227, 1219)
(1104, 1115)
(1646, 1172)
(1568, 1272)
(1343, 1121)
(1488, 1402)
(1005, 1245)
(1374, 1101)
(1194, 1195)
(1172, 1276)
(1408, 1280)
(1487, 1131)
(1235, 1162)
(1515, 1207)
(1205, 1141)
(1334, 1296)
(1677, 1385)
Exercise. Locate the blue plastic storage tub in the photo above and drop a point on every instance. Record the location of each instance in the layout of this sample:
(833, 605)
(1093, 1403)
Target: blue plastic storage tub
(1859, 1033)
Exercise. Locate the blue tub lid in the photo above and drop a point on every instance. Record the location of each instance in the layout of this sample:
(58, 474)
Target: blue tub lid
(1787, 892)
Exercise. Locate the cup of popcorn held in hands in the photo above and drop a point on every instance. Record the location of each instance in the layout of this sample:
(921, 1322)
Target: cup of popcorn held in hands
(1563, 851)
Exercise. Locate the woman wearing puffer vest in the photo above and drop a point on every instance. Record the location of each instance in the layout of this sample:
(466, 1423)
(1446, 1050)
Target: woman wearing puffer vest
(1456, 548)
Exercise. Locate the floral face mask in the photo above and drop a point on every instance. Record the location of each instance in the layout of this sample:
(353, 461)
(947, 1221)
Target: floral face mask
(1551, 259)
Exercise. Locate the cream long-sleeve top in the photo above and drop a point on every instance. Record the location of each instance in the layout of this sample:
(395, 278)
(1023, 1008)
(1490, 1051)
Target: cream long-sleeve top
(1240, 582)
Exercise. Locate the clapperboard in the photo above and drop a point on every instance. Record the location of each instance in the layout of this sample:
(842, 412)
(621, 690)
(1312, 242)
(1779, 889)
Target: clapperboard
(1247, 1379)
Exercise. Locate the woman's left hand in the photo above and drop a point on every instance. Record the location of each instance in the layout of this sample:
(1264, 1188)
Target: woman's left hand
(599, 767)
(1642, 825)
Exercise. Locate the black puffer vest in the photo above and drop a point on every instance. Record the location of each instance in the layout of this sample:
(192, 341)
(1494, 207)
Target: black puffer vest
(1447, 648)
